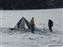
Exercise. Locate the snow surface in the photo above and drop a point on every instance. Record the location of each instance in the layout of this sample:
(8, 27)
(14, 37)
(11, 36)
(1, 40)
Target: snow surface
(42, 36)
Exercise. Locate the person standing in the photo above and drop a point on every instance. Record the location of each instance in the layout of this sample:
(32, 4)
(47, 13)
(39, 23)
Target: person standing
(32, 24)
(50, 25)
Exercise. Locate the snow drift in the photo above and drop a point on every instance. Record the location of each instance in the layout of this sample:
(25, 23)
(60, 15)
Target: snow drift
(42, 36)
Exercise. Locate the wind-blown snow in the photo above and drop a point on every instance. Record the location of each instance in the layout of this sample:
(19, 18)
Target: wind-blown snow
(42, 36)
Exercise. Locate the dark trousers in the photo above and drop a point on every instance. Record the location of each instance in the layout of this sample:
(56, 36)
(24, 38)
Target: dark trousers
(50, 28)
(32, 28)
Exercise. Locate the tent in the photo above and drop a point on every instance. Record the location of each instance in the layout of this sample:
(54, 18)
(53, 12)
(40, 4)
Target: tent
(23, 24)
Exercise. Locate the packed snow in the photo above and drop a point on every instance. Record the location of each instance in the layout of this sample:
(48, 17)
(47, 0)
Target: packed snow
(24, 38)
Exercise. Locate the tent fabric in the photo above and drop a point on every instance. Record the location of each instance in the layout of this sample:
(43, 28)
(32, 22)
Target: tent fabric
(21, 24)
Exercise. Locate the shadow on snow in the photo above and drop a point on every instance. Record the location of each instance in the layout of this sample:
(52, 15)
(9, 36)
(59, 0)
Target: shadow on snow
(39, 31)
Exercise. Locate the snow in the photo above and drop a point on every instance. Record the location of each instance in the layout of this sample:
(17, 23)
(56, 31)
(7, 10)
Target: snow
(41, 37)
(41, 17)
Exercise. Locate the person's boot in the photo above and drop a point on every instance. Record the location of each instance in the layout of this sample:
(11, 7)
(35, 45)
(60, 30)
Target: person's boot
(50, 30)
(32, 32)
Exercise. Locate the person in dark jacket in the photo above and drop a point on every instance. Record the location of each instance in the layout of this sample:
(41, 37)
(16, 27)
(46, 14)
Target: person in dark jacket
(50, 24)
(32, 24)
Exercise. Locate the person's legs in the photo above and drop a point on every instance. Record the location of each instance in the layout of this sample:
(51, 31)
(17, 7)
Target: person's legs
(32, 28)
(50, 28)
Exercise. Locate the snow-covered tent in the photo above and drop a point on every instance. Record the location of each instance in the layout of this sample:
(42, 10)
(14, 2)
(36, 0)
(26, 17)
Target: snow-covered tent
(23, 24)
